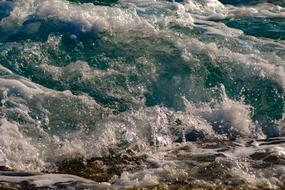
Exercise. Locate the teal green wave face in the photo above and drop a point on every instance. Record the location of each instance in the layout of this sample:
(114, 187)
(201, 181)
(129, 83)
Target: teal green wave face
(127, 60)
(259, 27)
(112, 90)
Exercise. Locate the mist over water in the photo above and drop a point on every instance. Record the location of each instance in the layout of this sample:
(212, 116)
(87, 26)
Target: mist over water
(83, 78)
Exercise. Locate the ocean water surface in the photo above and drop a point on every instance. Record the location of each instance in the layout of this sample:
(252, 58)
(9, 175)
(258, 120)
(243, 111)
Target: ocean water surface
(130, 94)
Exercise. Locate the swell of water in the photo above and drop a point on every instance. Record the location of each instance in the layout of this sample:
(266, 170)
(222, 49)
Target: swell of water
(78, 78)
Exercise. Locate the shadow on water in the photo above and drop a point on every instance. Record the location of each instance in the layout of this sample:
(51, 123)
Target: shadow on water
(252, 2)
(96, 2)
(273, 28)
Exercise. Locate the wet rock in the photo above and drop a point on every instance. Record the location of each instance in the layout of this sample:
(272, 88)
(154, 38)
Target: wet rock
(206, 157)
(7, 187)
(269, 156)
(275, 159)
(217, 170)
(102, 169)
(260, 155)
(5, 168)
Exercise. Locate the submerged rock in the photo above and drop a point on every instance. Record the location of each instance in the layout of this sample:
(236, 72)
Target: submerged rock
(103, 169)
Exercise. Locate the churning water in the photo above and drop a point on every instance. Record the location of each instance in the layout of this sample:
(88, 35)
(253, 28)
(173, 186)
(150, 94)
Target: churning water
(142, 93)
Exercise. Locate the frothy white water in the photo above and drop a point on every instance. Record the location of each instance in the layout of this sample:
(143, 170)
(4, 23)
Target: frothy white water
(50, 181)
(21, 10)
(229, 115)
(129, 15)
(213, 9)
(128, 180)
(90, 17)
(223, 164)
(271, 66)
(53, 125)
(87, 17)
(16, 150)
(265, 10)
(128, 129)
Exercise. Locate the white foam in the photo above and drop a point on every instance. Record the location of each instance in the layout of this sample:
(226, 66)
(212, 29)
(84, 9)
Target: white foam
(282, 125)
(253, 63)
(52, 181)
(21, 10)
(20, 87)
(143, 179)
(204, 6)
(229, 114)
(42, 144)
(134, 127)
(89, 17)
(4, 70)
(213, 9)
(16, 150)
(265, 10)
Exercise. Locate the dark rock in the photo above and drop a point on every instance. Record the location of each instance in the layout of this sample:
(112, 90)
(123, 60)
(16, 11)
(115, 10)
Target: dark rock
(5, 168)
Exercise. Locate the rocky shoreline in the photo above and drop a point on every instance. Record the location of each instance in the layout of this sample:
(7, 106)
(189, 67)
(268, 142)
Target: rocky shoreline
(204, 165)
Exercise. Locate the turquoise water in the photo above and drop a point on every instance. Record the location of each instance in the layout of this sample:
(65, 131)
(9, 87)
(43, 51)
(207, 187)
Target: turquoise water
(83, 76)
